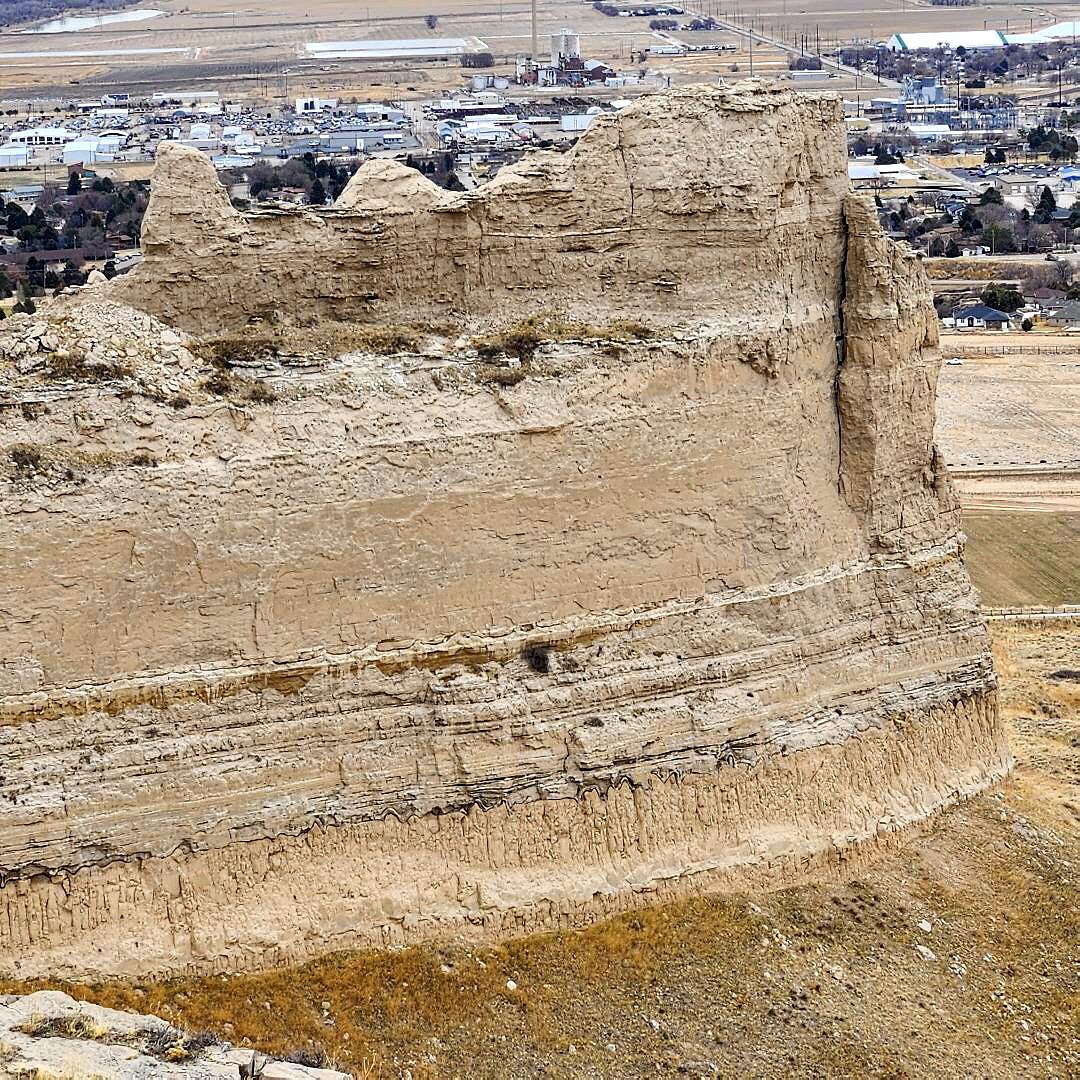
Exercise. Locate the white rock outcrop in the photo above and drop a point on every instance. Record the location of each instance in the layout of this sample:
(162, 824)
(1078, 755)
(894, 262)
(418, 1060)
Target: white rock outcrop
(50, 1036)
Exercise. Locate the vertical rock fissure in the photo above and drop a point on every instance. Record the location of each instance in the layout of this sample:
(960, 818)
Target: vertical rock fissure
(841, 346)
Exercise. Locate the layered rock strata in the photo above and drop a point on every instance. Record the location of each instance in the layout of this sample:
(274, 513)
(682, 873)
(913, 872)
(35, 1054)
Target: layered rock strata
(421, 649)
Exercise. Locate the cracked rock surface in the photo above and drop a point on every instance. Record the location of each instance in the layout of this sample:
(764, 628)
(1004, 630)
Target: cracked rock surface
(423, 646)
(50, 1036)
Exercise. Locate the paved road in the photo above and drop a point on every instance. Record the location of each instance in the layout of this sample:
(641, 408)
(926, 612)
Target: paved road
(930, 169)
(779, 43)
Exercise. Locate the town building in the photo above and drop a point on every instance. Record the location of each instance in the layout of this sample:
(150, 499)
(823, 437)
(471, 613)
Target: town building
(970, 40)
(1067, 316)
(42, 136)
(978, 317)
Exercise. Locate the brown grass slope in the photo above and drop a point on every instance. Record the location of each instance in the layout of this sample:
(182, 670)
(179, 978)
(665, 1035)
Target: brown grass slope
(838, 981)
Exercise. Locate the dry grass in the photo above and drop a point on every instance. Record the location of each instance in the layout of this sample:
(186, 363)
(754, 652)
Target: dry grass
(521, 339)
(78, 1026)
(1024, 558)
(226, 384)
(72, 365)
(228, 350)
(169, 1044)
(323, 338)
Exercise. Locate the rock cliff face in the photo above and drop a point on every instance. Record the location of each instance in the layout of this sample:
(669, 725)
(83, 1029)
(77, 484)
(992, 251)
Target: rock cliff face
(433, 646)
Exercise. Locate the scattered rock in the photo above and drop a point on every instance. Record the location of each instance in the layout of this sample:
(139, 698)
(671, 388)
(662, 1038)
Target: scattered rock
(49, 1034)
(926, 953)
(284, 1070)
(82, 340)
(699, 1068)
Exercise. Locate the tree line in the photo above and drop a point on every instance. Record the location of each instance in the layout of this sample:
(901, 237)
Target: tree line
(13, 12)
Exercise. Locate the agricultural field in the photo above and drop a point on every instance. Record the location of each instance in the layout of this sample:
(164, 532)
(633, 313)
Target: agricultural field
(1024, 558)
(247, 49)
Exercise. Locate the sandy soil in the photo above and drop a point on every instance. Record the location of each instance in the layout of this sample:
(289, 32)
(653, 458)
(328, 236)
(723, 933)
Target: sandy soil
(952, 957)
(1010, 410)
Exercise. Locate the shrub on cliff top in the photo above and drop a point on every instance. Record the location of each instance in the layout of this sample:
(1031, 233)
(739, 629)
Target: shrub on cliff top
(228, 350)
(522, 338)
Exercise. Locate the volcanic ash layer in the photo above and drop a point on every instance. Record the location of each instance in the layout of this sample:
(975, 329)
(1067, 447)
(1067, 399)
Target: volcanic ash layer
(445, 642)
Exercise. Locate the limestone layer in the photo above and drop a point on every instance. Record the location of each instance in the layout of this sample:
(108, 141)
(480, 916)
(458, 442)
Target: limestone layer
(414, 650)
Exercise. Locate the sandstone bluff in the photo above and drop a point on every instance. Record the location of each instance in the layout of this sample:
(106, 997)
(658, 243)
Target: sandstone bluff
(442, 642)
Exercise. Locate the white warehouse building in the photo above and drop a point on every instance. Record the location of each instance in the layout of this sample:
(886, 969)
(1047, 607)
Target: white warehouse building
(971, 40)
(91, 150)
(43, 136)
(13, 156)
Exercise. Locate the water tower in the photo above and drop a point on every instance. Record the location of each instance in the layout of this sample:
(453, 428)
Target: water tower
(565, 45)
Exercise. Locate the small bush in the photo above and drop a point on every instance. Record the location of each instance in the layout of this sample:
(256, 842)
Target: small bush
(261, 394)
(25, 458)
(521, 339)
(231, 349)
(144, 459)
(501, 375)
(220, 384)
(74, 366)
(387, 340)
(172, 1044)
(315, 1059)
(538, 657)
(628, 328)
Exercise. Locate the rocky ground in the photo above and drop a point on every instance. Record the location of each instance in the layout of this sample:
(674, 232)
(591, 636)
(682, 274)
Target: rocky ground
(955, 956)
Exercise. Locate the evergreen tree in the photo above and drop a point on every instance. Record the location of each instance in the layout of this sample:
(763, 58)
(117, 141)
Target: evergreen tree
(1044, 212)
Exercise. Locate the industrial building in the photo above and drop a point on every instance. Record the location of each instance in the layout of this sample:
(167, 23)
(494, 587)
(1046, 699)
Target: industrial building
(42, 136)
(971, 40)
(14, 157)
(396, 49)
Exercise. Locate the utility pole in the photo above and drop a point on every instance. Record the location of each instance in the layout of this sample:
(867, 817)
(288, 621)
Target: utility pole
(535, 38)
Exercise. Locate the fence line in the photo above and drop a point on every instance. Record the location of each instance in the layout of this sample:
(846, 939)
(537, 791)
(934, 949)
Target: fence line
(1060, 611)
(1017, 350)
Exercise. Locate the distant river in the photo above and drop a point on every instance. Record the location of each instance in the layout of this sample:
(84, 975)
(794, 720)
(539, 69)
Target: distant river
(72, 23)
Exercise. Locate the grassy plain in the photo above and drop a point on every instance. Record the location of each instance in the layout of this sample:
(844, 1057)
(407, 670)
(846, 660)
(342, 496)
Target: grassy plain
(1024, 558)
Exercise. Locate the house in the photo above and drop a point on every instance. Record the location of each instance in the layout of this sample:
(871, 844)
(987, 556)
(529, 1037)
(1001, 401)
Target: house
(971, 251)
(1044, 299)
(1067, 316)
(978, 317)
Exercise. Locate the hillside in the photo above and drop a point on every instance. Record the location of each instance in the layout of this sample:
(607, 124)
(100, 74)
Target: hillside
(843, 980)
